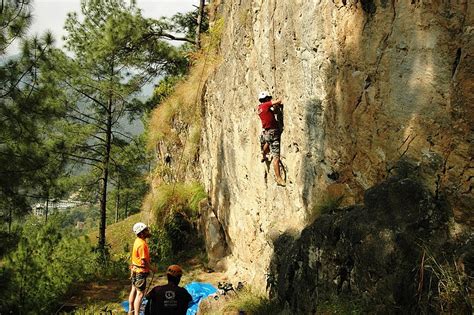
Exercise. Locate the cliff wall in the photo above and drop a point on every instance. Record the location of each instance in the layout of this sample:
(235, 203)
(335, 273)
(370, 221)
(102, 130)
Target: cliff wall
(366, 85)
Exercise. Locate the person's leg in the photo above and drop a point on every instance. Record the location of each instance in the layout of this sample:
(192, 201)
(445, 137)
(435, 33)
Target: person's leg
(140, 285)
(276, 168)
(138, 301)
(131, 300)
(275, 148)
(265, 150)
(264, 146)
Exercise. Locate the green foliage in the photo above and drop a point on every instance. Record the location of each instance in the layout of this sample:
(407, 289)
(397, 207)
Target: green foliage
(175, 208)
(344, 305)
(115, 52)
(180, 232)
(186, 23)
(178, 197)
(162, 90)
(29, 162)
(8, 241)
(131, 162)
(115, 266)
(215, 34)
(161, 248)
(87, 214)
(173, 238)
(245, 300)
(15, 18)
(46, 263)
(252, 303)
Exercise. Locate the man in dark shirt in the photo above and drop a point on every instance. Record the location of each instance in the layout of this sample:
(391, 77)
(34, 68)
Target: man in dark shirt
(271, 132)
(169, 299)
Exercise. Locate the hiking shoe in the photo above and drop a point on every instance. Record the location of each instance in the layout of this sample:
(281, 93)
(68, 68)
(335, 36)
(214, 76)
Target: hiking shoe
(280, 182)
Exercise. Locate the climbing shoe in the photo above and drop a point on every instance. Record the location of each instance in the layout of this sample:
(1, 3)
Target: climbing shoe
(280, 182)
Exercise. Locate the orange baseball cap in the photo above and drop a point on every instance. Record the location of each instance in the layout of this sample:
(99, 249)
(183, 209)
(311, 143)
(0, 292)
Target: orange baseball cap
(175, 271)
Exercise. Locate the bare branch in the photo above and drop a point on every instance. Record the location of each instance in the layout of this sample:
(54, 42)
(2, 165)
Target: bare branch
(172, 37)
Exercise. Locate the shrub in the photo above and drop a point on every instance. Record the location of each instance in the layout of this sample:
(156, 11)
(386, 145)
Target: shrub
(160, 246)
(45, 264)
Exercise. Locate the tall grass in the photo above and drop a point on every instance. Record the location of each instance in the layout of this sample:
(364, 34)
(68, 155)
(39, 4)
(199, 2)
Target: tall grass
(174, 129)
(451, 284)
(176, 122)
(246, 301)
(176, 197)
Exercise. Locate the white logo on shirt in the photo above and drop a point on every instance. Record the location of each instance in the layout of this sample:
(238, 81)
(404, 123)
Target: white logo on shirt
(170, 295)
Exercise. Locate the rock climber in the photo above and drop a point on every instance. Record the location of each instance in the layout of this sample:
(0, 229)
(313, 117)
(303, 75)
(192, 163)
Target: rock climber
(169, 299)
(271, 133)
(140, 267)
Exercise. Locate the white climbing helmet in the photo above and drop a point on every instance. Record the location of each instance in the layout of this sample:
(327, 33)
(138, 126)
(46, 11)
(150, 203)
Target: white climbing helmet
(139, 227)
(263, 94)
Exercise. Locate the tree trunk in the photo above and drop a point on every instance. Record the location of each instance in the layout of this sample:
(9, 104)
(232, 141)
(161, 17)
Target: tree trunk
(105, 179)
(117, 202)
(126, 206)
(199, 23)
(106, 162)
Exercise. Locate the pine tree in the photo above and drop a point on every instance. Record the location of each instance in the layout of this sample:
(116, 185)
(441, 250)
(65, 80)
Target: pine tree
(28, 121)
(114, 53)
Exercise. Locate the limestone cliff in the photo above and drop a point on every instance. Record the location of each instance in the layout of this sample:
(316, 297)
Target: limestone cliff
(365, 85)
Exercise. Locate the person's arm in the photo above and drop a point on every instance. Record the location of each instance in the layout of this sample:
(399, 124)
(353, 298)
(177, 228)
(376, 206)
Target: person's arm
(144, 257)
(277, 103)
(145, 264)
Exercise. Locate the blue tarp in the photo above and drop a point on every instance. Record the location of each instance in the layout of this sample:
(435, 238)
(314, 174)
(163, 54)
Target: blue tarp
(142, 308)
(198, 291)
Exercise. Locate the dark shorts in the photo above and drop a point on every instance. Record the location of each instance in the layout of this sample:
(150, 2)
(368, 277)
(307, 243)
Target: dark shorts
(139, 280)
(272, 137)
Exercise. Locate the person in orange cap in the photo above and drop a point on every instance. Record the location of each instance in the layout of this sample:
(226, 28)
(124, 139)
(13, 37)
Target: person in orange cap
(169, 299)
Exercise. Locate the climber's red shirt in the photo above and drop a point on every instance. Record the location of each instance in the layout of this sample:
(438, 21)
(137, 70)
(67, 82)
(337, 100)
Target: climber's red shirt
(266, 116)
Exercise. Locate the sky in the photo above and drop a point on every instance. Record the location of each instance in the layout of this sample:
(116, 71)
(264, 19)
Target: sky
(51, 14)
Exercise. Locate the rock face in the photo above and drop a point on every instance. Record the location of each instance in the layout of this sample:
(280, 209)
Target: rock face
(378, 252)
(366, 84)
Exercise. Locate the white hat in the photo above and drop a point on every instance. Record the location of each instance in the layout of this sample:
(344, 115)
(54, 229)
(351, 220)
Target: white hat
(139, 227)
(263, 94)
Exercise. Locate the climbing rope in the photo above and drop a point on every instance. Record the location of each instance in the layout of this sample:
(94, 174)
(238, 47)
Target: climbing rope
(274, 63)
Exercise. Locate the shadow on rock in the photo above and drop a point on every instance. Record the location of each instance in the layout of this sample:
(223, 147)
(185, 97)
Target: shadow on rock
(375, 254)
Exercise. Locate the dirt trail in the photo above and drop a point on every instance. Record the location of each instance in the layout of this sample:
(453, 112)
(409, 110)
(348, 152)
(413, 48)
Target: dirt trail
(105, 296)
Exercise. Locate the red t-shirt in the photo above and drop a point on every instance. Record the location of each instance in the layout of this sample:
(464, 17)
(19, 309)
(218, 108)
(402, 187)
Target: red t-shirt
(266, 116)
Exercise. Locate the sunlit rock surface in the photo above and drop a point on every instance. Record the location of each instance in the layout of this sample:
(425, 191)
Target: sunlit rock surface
(366, 84)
